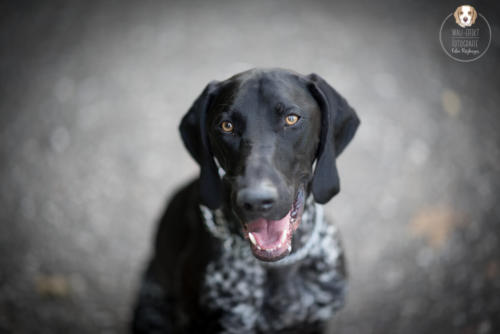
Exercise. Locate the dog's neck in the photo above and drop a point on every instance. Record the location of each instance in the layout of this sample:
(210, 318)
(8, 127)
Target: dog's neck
(222, 224)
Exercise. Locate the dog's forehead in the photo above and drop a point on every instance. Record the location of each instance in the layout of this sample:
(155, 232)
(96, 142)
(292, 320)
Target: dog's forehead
(265, 90)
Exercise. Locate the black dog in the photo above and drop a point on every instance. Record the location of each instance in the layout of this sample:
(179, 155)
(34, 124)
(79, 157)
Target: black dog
(256, 137)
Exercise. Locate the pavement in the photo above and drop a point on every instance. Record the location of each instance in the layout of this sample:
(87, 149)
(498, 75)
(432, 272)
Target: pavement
(91, 95)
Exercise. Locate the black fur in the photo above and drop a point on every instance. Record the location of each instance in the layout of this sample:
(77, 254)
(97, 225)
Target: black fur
(338, 125)
(261, 148)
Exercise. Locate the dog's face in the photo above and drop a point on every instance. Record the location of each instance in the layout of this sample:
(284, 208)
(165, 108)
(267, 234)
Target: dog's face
(465, 16)
(264, 131)
(266, 128)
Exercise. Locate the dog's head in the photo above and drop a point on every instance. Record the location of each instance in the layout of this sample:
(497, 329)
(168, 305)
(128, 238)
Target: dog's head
(465, 16)
(266, 128)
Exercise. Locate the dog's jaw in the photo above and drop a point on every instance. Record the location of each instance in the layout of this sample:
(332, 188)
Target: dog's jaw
(271, 240)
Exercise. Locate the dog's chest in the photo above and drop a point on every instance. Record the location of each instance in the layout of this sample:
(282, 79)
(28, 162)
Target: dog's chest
(252, 297)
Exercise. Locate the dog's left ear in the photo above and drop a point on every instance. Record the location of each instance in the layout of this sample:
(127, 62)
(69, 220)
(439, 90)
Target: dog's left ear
(194, 135)
(474, 15)
(338, 126)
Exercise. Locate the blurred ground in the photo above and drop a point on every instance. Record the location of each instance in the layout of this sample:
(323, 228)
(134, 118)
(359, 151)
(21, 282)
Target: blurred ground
(91, 96)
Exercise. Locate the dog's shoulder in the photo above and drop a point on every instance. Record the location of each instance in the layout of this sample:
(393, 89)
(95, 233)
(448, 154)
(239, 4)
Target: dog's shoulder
(179, 216)
(181, 239)
(182, 249)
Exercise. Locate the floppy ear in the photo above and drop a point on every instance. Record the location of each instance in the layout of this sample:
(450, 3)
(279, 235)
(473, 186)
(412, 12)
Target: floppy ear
(474, 15)
(194, 135)
(338, 126)
(455, 14)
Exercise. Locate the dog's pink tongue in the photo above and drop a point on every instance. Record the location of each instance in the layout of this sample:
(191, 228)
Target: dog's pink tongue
(267, 233)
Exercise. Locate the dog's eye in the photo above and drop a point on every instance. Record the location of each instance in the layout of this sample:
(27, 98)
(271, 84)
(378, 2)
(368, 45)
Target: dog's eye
(469, 12)
(461, 12)
(227, 127)
(291, 119)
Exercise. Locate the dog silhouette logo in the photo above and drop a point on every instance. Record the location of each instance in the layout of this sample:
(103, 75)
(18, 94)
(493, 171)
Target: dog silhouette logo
(465, 34)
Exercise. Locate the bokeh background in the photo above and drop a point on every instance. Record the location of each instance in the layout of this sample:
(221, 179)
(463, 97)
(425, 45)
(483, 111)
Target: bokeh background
(91, 94)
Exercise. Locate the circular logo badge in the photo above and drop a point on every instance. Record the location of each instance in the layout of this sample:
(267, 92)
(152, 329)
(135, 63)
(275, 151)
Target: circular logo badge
(465, 34)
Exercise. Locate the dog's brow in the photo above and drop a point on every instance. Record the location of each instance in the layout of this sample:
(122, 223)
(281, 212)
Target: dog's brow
(225, 106)
(280, 108)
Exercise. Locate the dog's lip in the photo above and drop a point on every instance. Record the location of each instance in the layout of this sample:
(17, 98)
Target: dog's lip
(270, 240)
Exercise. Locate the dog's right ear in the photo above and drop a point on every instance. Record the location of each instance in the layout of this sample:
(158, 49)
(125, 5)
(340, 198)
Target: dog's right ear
(456, 15)
(194, 135)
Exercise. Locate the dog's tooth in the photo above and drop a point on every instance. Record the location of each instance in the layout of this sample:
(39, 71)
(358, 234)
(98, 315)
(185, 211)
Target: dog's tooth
(290, 248)
(283, 238)
(252, 239)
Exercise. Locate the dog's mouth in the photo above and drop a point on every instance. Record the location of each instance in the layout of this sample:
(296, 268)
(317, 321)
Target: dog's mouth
(271, 240)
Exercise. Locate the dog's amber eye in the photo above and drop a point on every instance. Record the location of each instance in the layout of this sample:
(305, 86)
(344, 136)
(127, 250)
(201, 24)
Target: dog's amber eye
(461, 12)
(291, 119)
(469, 12)
(227, 127)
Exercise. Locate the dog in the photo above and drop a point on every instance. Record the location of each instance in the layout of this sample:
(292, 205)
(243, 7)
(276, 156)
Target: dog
(245, 248)
(465, 16)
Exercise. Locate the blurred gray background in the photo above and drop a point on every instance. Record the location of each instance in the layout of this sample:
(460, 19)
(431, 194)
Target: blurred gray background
(91, 95)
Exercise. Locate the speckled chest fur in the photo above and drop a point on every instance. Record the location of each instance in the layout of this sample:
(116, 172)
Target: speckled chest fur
(302, 290)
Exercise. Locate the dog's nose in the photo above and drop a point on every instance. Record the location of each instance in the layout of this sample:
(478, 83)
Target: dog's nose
(260, 198)
(465, 18)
